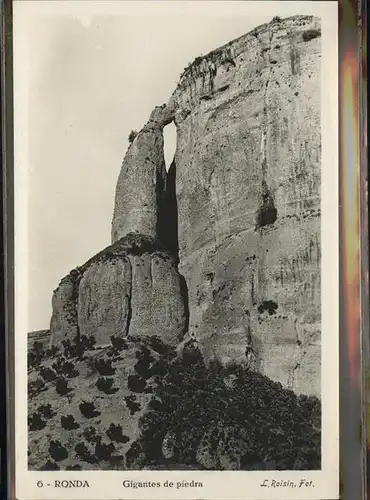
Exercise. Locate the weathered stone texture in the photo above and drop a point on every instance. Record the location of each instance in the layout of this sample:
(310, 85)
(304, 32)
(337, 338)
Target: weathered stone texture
(141, 185)
(64, 324)
(130, 288)
(248, 164)
(239, 211)
(104, 300)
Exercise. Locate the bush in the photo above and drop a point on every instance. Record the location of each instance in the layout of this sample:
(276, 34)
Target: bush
(160, 347)
(57, 451)
(102, 366)
(104, 451)
(35, 422)
(247, 415)
(135, 457)
(131, 403)
(63, 367)
(46, 411)
(78, 346)
(71, 350)
(35, 355)
(135, 383)
(49, 465)
(61, 386)
(310, 34)
(88, 409)
(88, 342)
(115, 434)
(84, 454)
(47, 374)
(118, 343)
(90, 435)
(69, 422)
(132, 135)
(276, 19)
(105, 385)
(51, 352)
(36, 386)
(145, 359)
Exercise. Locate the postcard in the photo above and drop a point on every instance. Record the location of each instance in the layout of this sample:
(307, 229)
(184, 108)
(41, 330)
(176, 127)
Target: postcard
(176, 250)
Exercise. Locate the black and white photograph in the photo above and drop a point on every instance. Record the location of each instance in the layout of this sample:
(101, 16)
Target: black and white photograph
(178, 216)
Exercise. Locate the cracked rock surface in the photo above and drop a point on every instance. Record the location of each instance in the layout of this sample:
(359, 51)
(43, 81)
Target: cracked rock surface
(248, 164)
(130, 288)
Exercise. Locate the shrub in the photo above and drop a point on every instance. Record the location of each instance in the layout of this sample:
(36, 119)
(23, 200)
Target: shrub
(135, 456)
(35, 422)
(90, 435)
(36, 386)
(35, 355)
(69, 422)
(61, 386)
(57, 451)
(145, 359)
(66, 368)
(268, 305)
(131, 403)
(118, 343)
(71, 350)
(240, 410)
(105, 385)
(135, 383)
(160, 347)
(310, 34)
(87, 342)
(84, 453)
(276, 19)
(47, 374)
(115, 434)
(104, 451)
(102, 366)
(46, 411)
(88, 409)
(49, 465)
(132, 135)
(51, 352)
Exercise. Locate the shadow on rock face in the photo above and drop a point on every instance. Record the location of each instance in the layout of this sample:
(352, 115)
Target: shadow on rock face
(267, 212)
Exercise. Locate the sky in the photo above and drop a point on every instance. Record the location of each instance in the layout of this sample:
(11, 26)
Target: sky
(92, 77)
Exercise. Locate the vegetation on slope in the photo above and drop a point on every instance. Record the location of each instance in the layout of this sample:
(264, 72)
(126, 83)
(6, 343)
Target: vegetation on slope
(148, 407)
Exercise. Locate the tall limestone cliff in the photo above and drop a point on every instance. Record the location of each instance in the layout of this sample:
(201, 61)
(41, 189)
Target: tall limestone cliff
(248, 164)
(247, 168)
(224, 249)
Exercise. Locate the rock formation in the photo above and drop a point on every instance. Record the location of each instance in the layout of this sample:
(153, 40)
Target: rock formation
(209, 293)
(142, 180)
(225, 248)
(247, 168)
(248, 163)
(130, 288)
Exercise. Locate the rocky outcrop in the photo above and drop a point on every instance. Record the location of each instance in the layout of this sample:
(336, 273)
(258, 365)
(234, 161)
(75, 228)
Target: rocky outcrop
(248, 163)
(141, 184)
(130, 288)
(233, 227)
